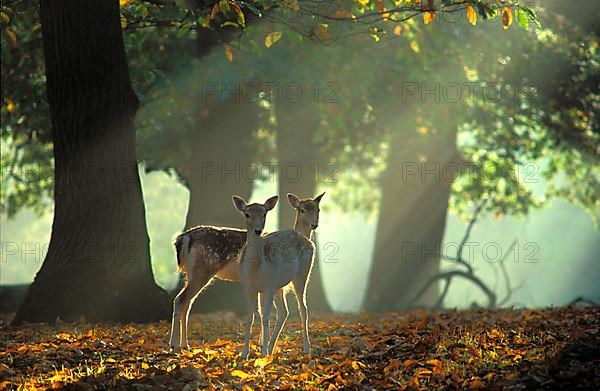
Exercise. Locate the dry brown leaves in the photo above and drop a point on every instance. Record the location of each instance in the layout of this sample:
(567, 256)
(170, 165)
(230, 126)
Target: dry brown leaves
(552, 348)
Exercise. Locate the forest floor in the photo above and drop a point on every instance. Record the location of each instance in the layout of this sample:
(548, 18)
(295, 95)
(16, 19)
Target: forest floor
(556, 348)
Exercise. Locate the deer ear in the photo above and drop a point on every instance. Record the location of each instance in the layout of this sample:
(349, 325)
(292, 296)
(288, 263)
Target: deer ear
(271, 202)
(294, 200)
(239, 203)
(318, 198)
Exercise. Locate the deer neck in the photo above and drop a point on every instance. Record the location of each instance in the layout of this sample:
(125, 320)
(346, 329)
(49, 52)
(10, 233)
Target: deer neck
(304, 230)
(252, 237)
(255, 245)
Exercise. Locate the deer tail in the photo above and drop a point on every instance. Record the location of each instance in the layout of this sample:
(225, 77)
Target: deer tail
(182, 245)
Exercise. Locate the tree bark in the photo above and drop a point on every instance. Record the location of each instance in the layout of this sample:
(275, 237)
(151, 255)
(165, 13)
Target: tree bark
(225, 148)
(98, 260)
(299, 161)
(412, 218)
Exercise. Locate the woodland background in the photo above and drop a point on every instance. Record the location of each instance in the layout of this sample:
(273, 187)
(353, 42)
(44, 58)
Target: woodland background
(524, 131)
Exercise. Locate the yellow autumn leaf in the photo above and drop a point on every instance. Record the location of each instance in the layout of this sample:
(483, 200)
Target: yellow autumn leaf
(64, 336)
(239, 373)
(228, 54)
(123, 22)
(272, 37)
(213, 13)
(363, 2)
(436, 364)
(397, 30)
(507, 17)
(58, 376)
(263, 361)
(12, 37)
(471, 15)
(414, 45)
(428, 17)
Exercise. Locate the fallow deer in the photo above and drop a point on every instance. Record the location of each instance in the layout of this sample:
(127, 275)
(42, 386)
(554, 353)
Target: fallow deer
(207, 252)
(267, 265)
(307, 220)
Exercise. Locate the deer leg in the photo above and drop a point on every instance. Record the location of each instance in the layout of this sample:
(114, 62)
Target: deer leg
(251, 303)
(282, 315)
(267, 304)
(260, 312)
(178, 306)
(299, 290)
(195, 286)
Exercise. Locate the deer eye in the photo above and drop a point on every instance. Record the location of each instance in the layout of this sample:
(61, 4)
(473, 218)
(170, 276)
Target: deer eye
(247, 215)
(265, 215)
(302, 210)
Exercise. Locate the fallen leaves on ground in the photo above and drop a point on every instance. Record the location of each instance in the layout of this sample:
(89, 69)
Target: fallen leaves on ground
(476, 349)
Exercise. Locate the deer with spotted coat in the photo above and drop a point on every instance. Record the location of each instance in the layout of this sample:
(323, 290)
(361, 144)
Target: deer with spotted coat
(207, 252)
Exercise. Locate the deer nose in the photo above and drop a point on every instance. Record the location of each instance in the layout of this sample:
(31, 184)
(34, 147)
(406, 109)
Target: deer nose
(257, 231)
(314, 226)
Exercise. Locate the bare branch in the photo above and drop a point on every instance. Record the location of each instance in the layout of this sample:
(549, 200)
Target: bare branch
(472, 222)
(492, 299)
(469, 273)
(440, 303)
(502, 266)
(581, 299)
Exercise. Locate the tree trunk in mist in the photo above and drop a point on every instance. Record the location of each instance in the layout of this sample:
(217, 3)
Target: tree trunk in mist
(98, 261)
(298, 161)
(412, 218)
(225, 148)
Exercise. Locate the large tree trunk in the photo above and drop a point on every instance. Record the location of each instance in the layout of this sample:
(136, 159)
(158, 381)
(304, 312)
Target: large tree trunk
(298, 159)
(98, 261)
(412, 218)
(224, 148)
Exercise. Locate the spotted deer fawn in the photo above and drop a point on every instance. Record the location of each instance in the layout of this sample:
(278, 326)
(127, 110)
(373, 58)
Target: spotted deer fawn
(267, 265)
(207, 252)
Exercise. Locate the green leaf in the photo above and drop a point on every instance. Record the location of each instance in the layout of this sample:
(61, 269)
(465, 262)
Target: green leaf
(201, 20)
(522, 18)
(183, 30)
(294, 36)
(487, 11)
(532, 16)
